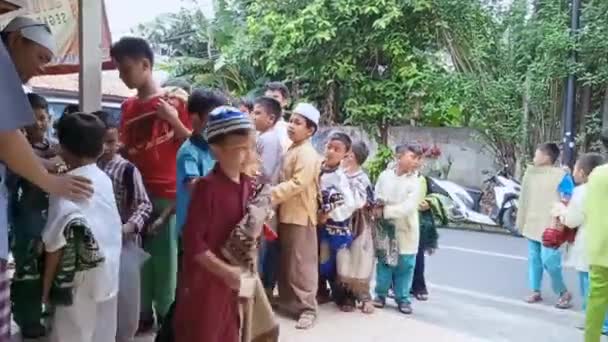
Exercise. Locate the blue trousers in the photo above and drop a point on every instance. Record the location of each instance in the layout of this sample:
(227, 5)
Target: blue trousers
(583, 280)
(548, 259)
(400, 276)
(269, 263)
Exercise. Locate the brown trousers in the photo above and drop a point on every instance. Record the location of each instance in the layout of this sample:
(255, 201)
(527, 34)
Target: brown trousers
(299, 268)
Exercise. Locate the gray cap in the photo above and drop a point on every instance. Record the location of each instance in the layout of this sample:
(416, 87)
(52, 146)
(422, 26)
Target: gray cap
(33, 30)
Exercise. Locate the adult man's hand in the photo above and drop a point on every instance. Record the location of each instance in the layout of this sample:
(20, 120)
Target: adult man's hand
(75, 188)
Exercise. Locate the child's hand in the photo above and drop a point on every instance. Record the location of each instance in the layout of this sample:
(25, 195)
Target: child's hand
(233, 278)
(323, 217)
(424, 206)
(378, 211)
(128, 228)
(166, 111)
(155, 226)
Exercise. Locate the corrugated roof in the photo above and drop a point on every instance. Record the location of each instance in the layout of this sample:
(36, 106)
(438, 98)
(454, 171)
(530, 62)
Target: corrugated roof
(110, 83)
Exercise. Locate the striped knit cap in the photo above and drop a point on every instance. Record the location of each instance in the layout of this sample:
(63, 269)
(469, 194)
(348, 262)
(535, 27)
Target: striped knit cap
(224, 120)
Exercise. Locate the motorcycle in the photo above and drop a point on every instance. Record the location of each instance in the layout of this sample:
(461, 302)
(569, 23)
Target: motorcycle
(463, 202)
(495, 205)
(500, 199)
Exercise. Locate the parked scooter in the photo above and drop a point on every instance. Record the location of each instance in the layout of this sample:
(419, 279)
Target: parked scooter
(500, 199)
(496, 205)
(463, 202)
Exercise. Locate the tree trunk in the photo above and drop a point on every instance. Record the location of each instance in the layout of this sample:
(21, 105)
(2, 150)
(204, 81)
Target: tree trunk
(605, 110)
(585, 109)
(525, 130)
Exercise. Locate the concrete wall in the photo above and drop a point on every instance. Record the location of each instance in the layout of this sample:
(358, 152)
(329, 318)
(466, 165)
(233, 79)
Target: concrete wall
(462, 145)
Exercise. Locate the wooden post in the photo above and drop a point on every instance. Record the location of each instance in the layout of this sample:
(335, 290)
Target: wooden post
(89, 35)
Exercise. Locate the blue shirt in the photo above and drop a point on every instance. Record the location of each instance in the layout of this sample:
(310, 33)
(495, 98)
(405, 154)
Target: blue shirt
(194, 159)
(15, 113)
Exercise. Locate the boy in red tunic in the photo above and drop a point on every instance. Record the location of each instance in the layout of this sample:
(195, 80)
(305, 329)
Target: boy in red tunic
(207, 300)
(153, 125)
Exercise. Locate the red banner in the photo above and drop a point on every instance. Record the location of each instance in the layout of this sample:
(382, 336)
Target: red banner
(62, 18)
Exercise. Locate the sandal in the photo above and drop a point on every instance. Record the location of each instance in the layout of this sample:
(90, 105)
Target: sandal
(307, 320)
(379, 302)
(534, 298)
(368, 307)
(421, 297)
(565, 301)
(348, 305)
(405, 308)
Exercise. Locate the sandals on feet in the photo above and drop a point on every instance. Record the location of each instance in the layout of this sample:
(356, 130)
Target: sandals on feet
(306, 321)
(367, 307)
(405, 308)
(423, 297)
(348, 305)
(379, 302)
(565, 301)
(534, 298)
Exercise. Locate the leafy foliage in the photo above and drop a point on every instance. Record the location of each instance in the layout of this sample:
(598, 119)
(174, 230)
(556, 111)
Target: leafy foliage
(379, 163)
(379, 63)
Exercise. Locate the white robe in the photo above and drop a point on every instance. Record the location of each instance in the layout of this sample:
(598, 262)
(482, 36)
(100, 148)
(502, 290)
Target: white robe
(92, 317)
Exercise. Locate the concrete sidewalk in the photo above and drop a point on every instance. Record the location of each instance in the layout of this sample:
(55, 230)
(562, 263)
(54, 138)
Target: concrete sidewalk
(383, 325)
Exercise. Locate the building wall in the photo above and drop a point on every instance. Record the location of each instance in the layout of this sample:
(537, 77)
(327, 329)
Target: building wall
(463, 146)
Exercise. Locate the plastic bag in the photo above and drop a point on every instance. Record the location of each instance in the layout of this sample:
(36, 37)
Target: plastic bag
(132, 259)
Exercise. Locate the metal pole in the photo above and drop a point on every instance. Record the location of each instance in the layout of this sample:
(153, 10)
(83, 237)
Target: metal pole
(89, 36)
(570, 103)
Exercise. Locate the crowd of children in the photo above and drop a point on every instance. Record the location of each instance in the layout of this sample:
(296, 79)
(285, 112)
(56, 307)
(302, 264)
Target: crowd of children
(204, 215)
(173, 180)
(562, 217)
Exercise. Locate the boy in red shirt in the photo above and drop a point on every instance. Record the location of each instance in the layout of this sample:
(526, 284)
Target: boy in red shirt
(153, 125)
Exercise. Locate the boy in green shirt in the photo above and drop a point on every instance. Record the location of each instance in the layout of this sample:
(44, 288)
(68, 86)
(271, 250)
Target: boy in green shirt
(596, 229)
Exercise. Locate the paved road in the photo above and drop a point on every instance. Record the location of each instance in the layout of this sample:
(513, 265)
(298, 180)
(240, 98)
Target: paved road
(477, 282)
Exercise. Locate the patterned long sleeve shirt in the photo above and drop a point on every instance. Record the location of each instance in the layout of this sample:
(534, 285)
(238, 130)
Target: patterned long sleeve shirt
(132, 199)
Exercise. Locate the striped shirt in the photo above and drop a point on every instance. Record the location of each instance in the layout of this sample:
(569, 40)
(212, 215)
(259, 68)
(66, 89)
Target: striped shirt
(139, 210)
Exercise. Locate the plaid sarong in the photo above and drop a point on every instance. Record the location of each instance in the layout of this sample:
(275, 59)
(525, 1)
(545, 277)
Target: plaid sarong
(5, 303)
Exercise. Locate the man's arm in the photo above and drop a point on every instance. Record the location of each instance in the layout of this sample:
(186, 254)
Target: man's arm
(18, 155)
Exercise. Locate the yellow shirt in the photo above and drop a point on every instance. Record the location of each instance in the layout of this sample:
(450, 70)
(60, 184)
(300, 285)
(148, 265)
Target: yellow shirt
(596, 224)
(539, 194)
(298, 190)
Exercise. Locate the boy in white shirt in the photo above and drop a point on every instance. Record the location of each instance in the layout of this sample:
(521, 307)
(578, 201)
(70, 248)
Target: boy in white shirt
(398, 190)
(573, 216)
(83, 242)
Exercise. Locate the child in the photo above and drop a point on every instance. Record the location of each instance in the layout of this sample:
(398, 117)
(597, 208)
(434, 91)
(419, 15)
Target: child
(337, 206)
(82, 241)
(596, 240)
(28, 216)
(209, 285)
(539, 193)
(428, 238)
(280, 92)
(135, 209)
(266, 113)
(296, 195)
(399, 192)
(194, 158)
(153, 126)
(573, 216)
(246, 106)
(359, 262)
